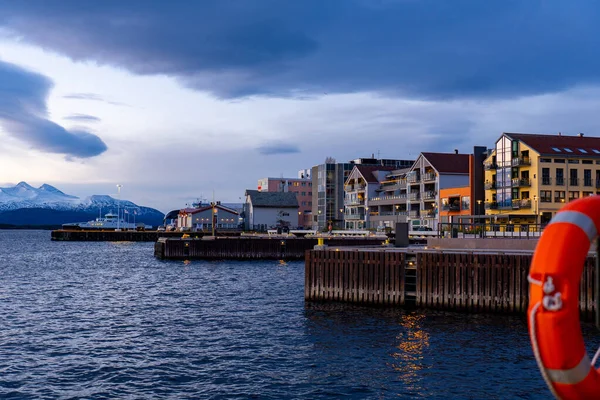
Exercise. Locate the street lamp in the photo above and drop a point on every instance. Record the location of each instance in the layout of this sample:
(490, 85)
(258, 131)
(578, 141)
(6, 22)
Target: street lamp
(535, 208)
(119, 206)
(213, 216)
(367, 217)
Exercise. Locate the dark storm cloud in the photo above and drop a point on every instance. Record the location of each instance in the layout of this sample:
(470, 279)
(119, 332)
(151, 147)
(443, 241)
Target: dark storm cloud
(270, 149)
(425, 49)
(23, 114)
(82, 118)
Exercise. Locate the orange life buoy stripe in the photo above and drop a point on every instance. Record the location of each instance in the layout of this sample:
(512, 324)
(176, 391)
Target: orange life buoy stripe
(555, 276)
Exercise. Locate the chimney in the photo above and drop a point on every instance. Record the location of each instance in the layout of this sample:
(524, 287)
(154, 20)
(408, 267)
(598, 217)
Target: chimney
(559, 134)
(455, 151)
(580, 134)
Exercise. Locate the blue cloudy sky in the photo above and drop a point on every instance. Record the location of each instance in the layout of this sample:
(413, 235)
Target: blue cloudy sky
(176, 99)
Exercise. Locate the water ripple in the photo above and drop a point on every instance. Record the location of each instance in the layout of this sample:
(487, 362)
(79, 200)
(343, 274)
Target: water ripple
(107, 320)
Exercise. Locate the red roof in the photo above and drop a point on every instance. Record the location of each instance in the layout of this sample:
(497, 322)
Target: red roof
(449, 163)
(367, 171)
(546, 144)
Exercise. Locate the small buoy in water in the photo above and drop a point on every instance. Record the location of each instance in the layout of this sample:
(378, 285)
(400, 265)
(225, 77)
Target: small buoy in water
(282, 262)
(187, 262)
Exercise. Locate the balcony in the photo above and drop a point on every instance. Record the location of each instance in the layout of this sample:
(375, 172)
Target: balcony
(491, 205)
(429, 176)
(489, 166)
(414, 196)
(429, 195)
(353, 217)
(546, 180)
(573, 181)
(428, 213)
(451, 207)
(357, 202)
(411, 180)
(587, 181)
(560, 181)
(413, 214)
(521, 204)
(490, 186)
(521, 182)
(387, 200)
(521, 161)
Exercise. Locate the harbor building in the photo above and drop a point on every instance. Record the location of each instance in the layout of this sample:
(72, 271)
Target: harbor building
(301, 186)
(388, 206)
(361, 186)
(528, 177)
(269, 210)
(328, 187)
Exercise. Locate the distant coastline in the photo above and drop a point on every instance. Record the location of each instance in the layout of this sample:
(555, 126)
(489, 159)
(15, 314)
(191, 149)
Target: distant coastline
(34, 227)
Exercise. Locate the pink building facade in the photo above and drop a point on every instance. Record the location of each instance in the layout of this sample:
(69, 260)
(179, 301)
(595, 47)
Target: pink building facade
(302, 186)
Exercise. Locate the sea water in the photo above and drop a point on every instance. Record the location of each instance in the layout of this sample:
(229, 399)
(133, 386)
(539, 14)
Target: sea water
(101, 320)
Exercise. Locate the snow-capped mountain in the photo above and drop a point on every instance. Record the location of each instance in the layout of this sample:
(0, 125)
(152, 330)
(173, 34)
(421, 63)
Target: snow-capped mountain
(63, 208)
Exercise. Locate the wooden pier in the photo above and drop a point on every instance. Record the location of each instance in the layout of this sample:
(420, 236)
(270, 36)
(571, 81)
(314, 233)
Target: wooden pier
(250, 248)
(471, 281)
(123, 236)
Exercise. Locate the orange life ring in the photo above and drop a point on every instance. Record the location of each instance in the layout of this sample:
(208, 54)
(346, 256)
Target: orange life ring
(553, 313)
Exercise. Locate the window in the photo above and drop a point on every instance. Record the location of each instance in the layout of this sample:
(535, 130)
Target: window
(596, 151)
(296, 183)
(466, 202)
(303, 183)
(573, 195)
(559, 196)
(582, 150)
(587, 177)
(587, 194)
(303, 193)
(568, 150)
(560, 179)
(573, 161)
(559, 160)
(587, 162)
(545, 176)
(556, 149)
(545, 160)
(303, 203)
(546, 196)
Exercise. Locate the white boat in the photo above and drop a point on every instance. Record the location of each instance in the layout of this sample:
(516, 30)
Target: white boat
(110, 221)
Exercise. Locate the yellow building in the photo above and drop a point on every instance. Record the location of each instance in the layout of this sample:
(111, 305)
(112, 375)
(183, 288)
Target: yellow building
(528, 177)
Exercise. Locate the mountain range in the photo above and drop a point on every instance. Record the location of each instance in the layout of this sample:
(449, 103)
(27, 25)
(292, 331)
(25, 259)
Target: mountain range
(24, 204)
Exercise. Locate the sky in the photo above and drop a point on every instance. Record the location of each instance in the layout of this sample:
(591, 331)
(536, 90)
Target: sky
(178, 100)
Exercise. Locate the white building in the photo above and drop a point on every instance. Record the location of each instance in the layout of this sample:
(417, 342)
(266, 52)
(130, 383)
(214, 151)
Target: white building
(201, 218)
(266, 210)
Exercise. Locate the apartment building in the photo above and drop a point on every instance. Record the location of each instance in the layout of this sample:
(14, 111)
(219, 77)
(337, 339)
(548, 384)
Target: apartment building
(388, 205)
(301, 186)
(362, 185)
(328, 187)
(528, 177)
(430, 173)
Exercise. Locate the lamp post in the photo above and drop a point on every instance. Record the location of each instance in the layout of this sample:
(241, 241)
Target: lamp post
(341, 218)
(366, 217)
(212, 204)
(535, 209)
(119, 206)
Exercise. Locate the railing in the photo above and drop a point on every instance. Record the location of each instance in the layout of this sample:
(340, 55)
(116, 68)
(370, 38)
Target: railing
(560, 181)
(450, 207)
(353, 216)
(413, 214)
(521, 161)
(490, 230)
(430, 176)
(429, 195)
(392, 213)
(354, 202)
(521, 182)
(573, 181)
(524, 203)
(587, 181)
(413, 179)
(491, 205)
(490, 185)
(428, 213)
(398, 197)
(546, 180)
(414, 196)
(490, 166)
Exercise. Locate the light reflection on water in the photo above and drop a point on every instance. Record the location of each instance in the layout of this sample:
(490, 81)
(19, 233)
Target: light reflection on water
(107, 320)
